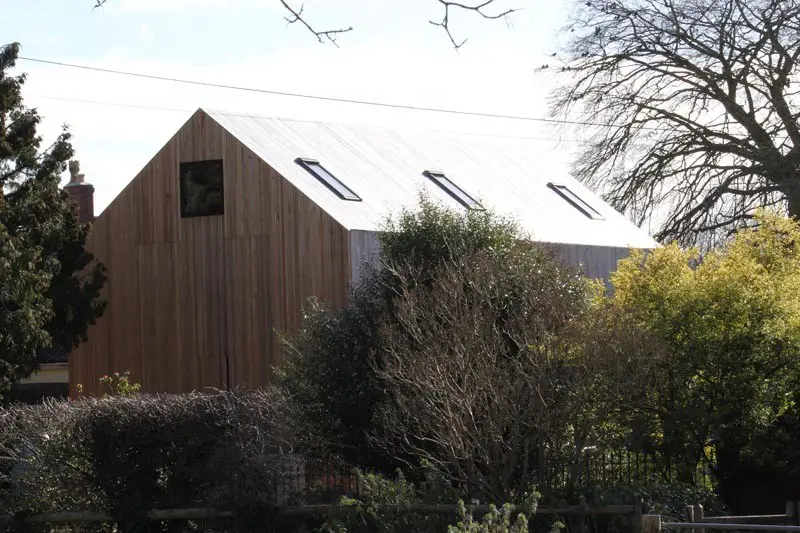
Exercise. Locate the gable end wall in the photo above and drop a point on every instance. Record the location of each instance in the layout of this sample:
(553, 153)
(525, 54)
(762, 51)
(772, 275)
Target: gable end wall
(195, 302)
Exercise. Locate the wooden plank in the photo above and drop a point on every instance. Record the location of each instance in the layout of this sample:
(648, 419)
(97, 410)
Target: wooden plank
(89, 360)
(65, 517)
(240, 321)
(84, 517)
(749, 519)
(202, 303)
(726, 526)
(124, 303)
(161, 366)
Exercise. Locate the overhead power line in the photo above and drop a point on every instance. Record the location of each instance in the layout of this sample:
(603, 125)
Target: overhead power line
(234, 114)
(319, 97)
(118, 104)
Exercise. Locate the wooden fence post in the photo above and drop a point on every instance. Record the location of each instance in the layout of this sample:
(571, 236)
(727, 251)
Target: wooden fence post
(637, 517)
(689, 517)
(580, 525)
(698, 517)
(651, 523)
(792, 513)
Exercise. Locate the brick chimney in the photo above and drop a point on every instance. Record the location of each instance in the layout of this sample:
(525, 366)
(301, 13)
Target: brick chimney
(81, 193)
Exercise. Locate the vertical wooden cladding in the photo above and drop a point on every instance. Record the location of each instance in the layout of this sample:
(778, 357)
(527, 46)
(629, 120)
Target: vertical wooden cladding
(197, 302)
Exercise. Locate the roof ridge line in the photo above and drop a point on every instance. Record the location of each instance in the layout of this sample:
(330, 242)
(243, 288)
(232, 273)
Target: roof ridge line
(383, 127)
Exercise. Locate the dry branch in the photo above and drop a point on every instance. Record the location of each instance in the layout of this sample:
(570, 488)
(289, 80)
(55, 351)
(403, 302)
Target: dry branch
(296, 16)
(495, 371)
(477, 8)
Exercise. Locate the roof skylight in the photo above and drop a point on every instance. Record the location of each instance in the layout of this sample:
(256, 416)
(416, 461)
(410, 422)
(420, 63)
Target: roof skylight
(316, 169)
(453, 190)
(567, 194)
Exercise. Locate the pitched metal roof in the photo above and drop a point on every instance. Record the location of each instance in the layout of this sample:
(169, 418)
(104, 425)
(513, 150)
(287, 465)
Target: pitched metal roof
(384, 167)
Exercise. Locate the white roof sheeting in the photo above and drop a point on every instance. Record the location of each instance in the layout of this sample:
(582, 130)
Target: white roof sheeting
(384, 167)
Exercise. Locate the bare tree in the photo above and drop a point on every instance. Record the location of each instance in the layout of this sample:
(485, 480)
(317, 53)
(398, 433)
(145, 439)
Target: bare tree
(693, 106)
(483, 8)
(492, 378)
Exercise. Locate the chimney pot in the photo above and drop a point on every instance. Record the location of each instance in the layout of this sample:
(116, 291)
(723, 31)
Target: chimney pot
(81, 193)
(74, 172)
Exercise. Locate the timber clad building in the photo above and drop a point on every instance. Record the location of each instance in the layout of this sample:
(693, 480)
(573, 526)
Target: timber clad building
(222, 237)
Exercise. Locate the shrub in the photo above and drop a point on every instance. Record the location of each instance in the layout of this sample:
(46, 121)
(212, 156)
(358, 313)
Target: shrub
(470, 347)
(337, 367)
(129, 455)
(477, 378)
(497, 520)
(379, 508)
(666, 499)
(42, 468)
(120, 384)
(329, 363)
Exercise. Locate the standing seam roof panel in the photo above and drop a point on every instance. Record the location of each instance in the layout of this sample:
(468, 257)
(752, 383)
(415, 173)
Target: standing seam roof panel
(384, 167)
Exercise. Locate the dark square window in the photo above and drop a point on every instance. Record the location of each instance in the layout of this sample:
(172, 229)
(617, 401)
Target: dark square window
(202, 192)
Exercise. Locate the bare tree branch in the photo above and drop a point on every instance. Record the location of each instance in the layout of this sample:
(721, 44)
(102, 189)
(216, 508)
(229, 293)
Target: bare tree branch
(477, 8)
(296, 16)
(702, 105)
(322, 36)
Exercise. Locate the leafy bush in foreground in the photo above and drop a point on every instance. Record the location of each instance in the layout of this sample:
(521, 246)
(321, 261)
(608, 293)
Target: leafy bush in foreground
(382, 507)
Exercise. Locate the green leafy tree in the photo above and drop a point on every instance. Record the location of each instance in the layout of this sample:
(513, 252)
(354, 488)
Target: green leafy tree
(730, 325)
(49, 284)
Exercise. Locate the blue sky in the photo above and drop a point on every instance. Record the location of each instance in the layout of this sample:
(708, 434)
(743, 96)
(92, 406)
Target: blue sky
(394, 54)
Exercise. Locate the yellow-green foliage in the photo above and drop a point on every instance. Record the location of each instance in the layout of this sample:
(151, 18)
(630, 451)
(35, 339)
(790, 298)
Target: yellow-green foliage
(748, 287)
(120, 384)
(500, 520)
(731, 322)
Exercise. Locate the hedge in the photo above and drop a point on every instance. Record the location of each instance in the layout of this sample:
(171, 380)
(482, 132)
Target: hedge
(128, 455)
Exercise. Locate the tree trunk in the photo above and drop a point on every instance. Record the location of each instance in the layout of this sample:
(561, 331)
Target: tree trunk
(793, 201)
